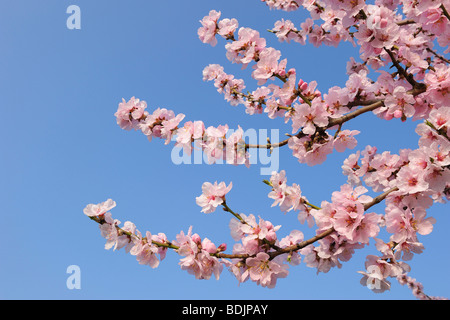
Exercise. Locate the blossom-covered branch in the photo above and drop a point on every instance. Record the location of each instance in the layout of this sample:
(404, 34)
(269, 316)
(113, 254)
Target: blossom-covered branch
(405, 43)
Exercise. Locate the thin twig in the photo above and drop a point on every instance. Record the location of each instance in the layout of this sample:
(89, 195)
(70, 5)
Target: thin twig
(438, 55)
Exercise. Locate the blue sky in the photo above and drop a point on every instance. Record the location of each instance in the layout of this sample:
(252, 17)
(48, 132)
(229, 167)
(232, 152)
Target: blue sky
(61, 149)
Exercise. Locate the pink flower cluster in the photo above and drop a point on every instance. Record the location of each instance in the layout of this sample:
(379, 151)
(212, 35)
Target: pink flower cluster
(379, 269)
(416, 287)
(286, 5)
(377, 26)
(212, 26)
(130, 113)
(398, 40)
(128, 236)
(198, 259)
(289, 197)
(419, 178)
(258, 239)
(212, 196)
(218, 143)
(346, 215)
(305, 106)
(352, 228)
(423, 171)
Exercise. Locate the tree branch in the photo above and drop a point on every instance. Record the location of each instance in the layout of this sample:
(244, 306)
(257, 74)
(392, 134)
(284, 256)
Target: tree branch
(438, 55)
(444, 10)
(409, 77)
(328, 232)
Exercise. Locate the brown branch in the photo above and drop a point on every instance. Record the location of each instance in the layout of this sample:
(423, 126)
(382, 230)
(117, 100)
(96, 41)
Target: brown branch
(409, 77)
(438, 55)
(379, 198)
(302, 244)
(405, 22)
(273, 254)
(328, 232)
(354, 114)
(267, 146)
(374, 104)
(120, 232)
(333, 122)
(444, 11)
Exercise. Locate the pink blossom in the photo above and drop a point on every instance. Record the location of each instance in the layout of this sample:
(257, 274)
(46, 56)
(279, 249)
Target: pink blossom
(355, 67)
(212, 71)
(130, 113)
(324, 217)
(187, 134)
(161, 124)
(378, 270)
(310, 153)
(398, 223)
(255, 105)
(348, 194)
(197, 258)
(246, 48)
(381, 22)
(410, 181)
(273, 108)
(368, 228)
(278, 194)
(356, 83)
(295, 237)
(316, 36)
(253, 233)
(278, 178)
(124, 240)
(400, 103)
(207, 32)
(352, 169)
(160, 238)
(212, 196)
(348, 219)
(235, 148)
(286, 5)
(404, 250)
(232, 89)
(213, 142)
(336, 100)
(145, 252)
(208, 246)
(96, 210)
(409, 57)
(286, 31)
(434, 21)
(108, 230)
(168, 127)
(345, 140)
(420, 224)
(308, 117)
(438, 85)
(440, 118)
(265, 272)
(439, 153)
(227, 27)
(374, 280)
(267, 65)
